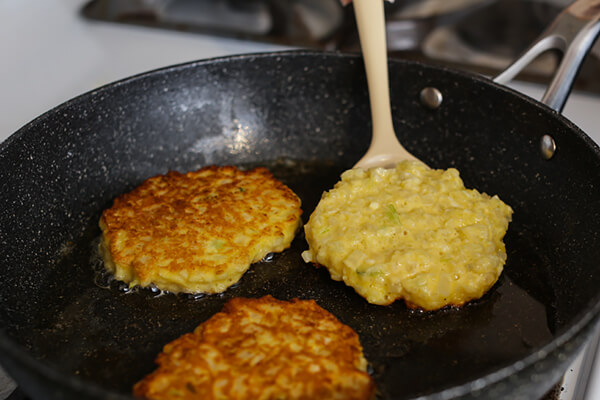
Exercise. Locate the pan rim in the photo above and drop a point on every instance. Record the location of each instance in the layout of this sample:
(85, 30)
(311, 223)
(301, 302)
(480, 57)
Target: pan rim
(288, 53)
(583, 320)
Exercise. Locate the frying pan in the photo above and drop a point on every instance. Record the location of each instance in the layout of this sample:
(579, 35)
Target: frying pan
(68, 331)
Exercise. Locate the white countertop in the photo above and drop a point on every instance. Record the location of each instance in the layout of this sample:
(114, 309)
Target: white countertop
(51, 54)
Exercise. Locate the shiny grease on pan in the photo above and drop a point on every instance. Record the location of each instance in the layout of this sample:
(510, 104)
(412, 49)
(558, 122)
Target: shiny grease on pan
(112, 337)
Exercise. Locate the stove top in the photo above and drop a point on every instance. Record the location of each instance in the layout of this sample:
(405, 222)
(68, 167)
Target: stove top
(482, 36)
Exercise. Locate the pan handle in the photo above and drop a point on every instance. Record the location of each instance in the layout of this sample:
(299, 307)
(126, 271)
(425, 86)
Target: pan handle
(573, 33)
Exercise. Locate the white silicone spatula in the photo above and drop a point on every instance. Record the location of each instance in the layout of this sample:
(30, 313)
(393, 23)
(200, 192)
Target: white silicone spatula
(385, 149)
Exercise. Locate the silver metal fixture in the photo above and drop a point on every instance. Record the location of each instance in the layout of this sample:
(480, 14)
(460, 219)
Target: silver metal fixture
(573, 33)
(547, 147)
(431, 97)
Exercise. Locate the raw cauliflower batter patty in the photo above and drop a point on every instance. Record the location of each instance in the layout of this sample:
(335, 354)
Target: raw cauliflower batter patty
(411, 233)
(198, 232)
(262, 349)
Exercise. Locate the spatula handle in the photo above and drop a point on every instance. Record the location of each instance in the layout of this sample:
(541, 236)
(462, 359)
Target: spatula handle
(370, 18)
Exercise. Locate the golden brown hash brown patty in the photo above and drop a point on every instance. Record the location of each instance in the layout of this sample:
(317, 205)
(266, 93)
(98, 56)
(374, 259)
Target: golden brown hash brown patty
(262, 349)
(198, 232)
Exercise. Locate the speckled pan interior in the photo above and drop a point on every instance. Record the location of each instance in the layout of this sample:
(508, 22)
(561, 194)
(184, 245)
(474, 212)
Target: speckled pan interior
(69, 332)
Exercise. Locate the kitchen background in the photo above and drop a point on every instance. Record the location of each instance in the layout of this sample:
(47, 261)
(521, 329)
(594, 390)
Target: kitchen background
(52, 50)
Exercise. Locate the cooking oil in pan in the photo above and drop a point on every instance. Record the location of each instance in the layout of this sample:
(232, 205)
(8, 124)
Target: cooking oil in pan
(103, 333)
(431, 349)
(104, 279)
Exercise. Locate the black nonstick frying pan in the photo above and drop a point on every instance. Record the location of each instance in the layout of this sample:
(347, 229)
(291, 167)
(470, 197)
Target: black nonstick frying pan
(69, 332)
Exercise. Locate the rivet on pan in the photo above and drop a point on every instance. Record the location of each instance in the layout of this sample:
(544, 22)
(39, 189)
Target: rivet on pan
(547, 147)
(431, 97)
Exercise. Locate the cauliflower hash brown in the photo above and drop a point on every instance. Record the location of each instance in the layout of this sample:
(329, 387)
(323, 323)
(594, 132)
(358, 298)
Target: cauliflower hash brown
(197, 232)
(411, 233)
(262, 349)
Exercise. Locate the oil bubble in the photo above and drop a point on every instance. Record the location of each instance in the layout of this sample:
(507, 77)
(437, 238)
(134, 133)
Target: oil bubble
(269, 257)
